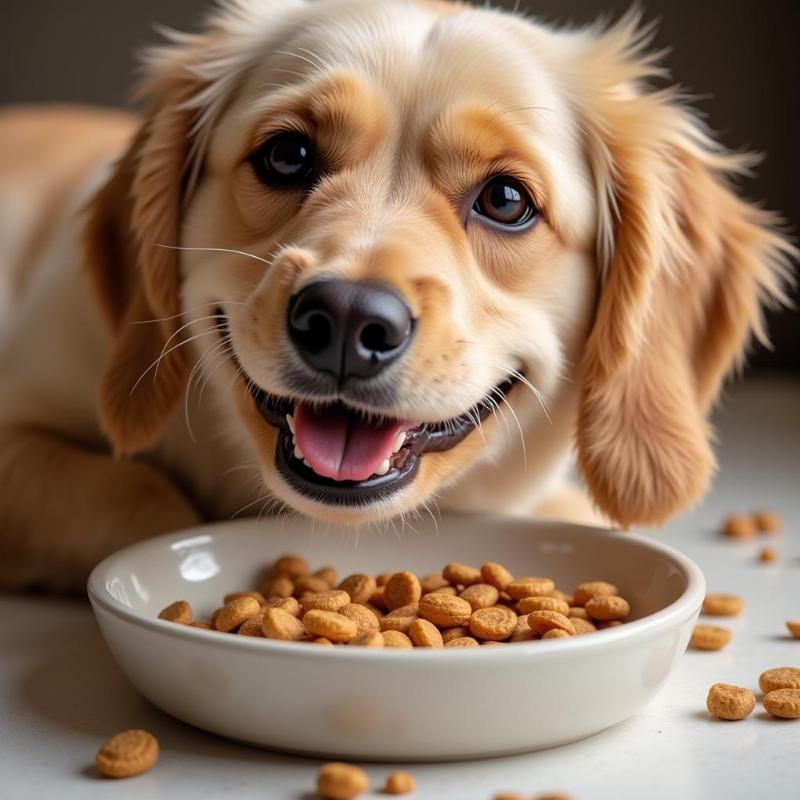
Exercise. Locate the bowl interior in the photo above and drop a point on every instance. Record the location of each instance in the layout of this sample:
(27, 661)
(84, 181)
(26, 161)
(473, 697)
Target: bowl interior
(204, 564)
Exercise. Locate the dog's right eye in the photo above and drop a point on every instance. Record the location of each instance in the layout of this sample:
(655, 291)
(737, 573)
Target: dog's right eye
(286, 160)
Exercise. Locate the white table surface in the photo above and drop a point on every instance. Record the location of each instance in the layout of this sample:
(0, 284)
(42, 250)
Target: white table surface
(61, 694)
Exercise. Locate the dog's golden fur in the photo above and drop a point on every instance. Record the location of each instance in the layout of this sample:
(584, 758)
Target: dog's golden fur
(625, 306)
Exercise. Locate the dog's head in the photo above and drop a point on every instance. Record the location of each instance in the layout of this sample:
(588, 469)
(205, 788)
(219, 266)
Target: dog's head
(386, 226)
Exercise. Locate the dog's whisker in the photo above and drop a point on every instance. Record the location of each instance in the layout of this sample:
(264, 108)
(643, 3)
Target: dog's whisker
(186, 311)
(216, 250)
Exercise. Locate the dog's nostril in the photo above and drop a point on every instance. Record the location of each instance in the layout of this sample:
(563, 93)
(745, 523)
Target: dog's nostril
(375, 338)
(315, 331)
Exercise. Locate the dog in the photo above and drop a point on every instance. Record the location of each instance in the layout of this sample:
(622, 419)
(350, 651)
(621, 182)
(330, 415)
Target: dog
(362, 261)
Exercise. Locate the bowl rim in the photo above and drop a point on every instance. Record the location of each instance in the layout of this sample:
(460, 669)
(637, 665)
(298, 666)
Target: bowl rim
(688, 604)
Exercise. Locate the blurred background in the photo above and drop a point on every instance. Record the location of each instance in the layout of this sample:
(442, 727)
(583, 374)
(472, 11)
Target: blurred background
(740, 57)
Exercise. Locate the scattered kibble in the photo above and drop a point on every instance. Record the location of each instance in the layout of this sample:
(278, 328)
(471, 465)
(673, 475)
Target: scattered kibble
(739, 526)
(338, 781)
(400, 783)
(710, 637)
(768, 555)
(779, 678)
(126, 754)
(793, 627)
(729, 702)
(767, 521)
(783, 703)
(723, 605)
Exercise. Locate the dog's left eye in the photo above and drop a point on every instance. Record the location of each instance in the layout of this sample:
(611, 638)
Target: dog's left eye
(285, 160)
(505, 200)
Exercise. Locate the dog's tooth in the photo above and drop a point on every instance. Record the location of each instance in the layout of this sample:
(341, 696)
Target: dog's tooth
(298, 453)
(290, 423)
(398, 441)
(383, 468)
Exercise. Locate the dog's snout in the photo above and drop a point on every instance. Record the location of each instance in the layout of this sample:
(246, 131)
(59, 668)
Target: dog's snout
(349, 329)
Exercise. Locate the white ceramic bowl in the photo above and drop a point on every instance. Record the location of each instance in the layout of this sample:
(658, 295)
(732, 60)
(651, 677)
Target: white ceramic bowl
(416, 704)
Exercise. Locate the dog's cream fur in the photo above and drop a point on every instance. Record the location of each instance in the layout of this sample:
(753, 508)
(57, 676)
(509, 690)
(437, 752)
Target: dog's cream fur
(624, 306)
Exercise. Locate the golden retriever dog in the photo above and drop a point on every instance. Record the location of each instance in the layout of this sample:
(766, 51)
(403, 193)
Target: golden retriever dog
(362, 260)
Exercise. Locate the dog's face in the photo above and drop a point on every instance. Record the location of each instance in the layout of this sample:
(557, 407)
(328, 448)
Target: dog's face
(393, 227)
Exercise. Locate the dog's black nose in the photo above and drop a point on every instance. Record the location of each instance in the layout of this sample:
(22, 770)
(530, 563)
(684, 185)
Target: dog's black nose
(349, 329)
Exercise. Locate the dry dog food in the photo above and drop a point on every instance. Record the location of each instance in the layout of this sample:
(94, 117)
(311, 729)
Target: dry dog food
(461, 606)
(337, 781)
(126, 754)
(710, 637)
(783, 703)
(768, 555)
(725, 701)
(793, 628)
(779, 678)
(740, 526)
(723, 605)
(400, 783)
(767, 521)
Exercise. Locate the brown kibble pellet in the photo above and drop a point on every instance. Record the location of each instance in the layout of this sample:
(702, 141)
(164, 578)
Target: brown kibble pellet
(253, 626)
(396, 639)
(444, 610)
(291, 565)
(739, 526)
(180, 612)
(236, 595)
(455, 574)
(367, 639)
(586, 591)
(722, 605)
(328, 574)
(610, 623)
(729, 702)
(376, 599)
(493, 624)
(451, 590)
(383, 578)
(425, 634)
(528, 604)
(577, 612)
(281, 586)
(779, 678)
(456, 632)
(400, 619)
(530, 587)
(337, 781)
(480, 595)
(607, 608)
(359, 587)
(364, 619)
(710, 637)
(522, 632)
(329, 624)
(402, 589)
(126, 754)
(323, 641)
(310, 584)
(542, 621)
(432, 582)
(233, 614)
(582, 626)
(793, 628)
(783, 703)
(767, 521)
(496, 575)
(400, 783)
(201, 623)
(279, 624)
(288, 604)
(768, 555)
(330, 600)
(555, 633)
(462, 641)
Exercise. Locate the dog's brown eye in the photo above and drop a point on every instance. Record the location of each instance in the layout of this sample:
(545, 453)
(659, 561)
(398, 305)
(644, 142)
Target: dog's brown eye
(506, 201)
(285, 160)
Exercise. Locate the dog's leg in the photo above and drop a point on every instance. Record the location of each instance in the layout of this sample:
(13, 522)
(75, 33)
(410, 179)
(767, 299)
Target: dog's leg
(64, 508)
(570, 503)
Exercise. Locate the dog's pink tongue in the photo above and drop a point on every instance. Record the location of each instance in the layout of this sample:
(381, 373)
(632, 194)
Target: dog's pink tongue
(339, 444)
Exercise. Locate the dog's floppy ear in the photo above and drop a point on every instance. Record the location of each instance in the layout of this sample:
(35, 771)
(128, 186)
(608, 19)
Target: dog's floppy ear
(685, 265)
(136, 280)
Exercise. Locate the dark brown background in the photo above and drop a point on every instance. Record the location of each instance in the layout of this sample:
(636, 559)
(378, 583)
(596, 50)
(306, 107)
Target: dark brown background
(740, 56)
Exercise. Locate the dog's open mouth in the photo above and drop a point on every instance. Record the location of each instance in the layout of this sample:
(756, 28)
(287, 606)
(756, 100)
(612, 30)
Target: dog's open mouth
(337, 454)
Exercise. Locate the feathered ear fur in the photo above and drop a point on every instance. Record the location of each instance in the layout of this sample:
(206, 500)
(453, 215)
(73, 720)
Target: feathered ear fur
(686, 266)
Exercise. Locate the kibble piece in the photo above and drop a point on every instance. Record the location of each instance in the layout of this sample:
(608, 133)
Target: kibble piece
(402, 589)
(555, 633)
(779, 678)
(328, 574)
(480, 595)
(312, 584)
(180, 612)
(425, 634)
(323, 641)
(784, 703)
(542, 621)
(281, 586)
(767, 521)
(462, 641)
(330, 600)
(522, 632)
(252, 626)
(586, 591)
(530, 587)
(364, 619)
(235, 613)
(793, 628)
(454, 633)
(432, 582)
(739, 526)
(383, 578)
(400, 619)
(291, 565)
(462, 574)
(329, 624)
(577, 612)
(528, 604)
(451, 590)
(582, 626)
(725, 701)
(722, 605)
(359, 587)
(338, 781)
(768, 555)
(288, 604)
(509, 796)
(126, 754)
(710, 637)
(493, 624)
(609, 623)
(396, 639)
(201, 623)
(280, 624)
(367, 639)
(443, 610)
(376, 599)
(607, 608)
(496, 575)
(400, 783)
